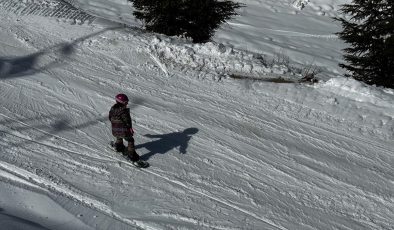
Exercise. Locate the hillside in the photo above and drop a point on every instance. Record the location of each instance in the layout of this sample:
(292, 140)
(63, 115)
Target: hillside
(225, 153)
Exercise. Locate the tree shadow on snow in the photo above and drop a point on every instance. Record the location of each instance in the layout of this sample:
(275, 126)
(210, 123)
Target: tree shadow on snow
(167, 142)
(53, 124)
(31, 64)
(13, 67)
(63, 123)
(49, 126)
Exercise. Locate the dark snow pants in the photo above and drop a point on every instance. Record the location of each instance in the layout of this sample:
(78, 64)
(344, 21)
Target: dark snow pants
(131, 153)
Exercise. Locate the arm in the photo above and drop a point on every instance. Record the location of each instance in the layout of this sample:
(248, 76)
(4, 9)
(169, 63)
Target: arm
(110, 114)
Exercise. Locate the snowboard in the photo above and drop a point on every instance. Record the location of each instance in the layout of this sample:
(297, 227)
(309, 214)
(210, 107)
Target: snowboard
(138, 164)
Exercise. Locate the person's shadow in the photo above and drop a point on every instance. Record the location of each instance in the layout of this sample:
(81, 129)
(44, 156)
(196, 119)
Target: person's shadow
(166, 142)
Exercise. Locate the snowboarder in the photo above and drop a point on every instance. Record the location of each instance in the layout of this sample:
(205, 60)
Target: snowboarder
(122, 129)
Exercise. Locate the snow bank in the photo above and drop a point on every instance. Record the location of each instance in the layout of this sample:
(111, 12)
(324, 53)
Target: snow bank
(358, 91)
(24, 208)
(363, 109)
(300, 4)
(214, 57)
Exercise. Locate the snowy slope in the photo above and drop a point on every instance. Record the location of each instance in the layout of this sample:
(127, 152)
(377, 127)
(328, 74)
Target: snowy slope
(225, 153)
(266, 27)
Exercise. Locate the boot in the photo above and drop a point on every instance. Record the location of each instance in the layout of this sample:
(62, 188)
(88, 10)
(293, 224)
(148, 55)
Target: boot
(131, 153)
(134, 157)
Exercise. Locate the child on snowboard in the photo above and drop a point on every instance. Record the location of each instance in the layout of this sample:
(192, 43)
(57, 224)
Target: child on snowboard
(120, 118)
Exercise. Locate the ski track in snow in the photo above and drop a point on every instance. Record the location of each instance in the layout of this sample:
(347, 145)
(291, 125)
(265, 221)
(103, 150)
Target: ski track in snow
(51, 8)
(67, 9)
(289, 33)
(306, 170)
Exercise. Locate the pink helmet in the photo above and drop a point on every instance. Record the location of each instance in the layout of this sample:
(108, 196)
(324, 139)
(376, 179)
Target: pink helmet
(122, 98)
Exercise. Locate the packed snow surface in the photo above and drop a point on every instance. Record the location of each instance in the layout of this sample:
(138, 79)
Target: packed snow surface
(225, 152)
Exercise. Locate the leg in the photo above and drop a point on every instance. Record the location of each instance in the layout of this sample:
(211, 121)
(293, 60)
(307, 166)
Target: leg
(119, 146)
(131, 149)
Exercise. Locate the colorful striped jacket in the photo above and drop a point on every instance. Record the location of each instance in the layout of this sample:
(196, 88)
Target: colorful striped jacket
(120, 118)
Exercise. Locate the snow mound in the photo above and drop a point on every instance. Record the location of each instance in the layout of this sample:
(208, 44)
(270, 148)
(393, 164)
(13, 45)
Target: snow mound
(214, 57)
(358, 91)
(300, 4)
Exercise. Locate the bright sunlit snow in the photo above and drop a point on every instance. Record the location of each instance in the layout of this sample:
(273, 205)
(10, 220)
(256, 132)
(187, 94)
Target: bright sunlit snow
(225, 152)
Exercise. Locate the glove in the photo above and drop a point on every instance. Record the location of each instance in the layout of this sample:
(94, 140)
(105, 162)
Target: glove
(132, 131)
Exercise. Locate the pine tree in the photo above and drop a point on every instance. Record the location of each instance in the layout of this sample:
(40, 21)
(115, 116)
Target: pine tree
(369, 31)
(159, 15)
(205, 16)
(196, 19)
